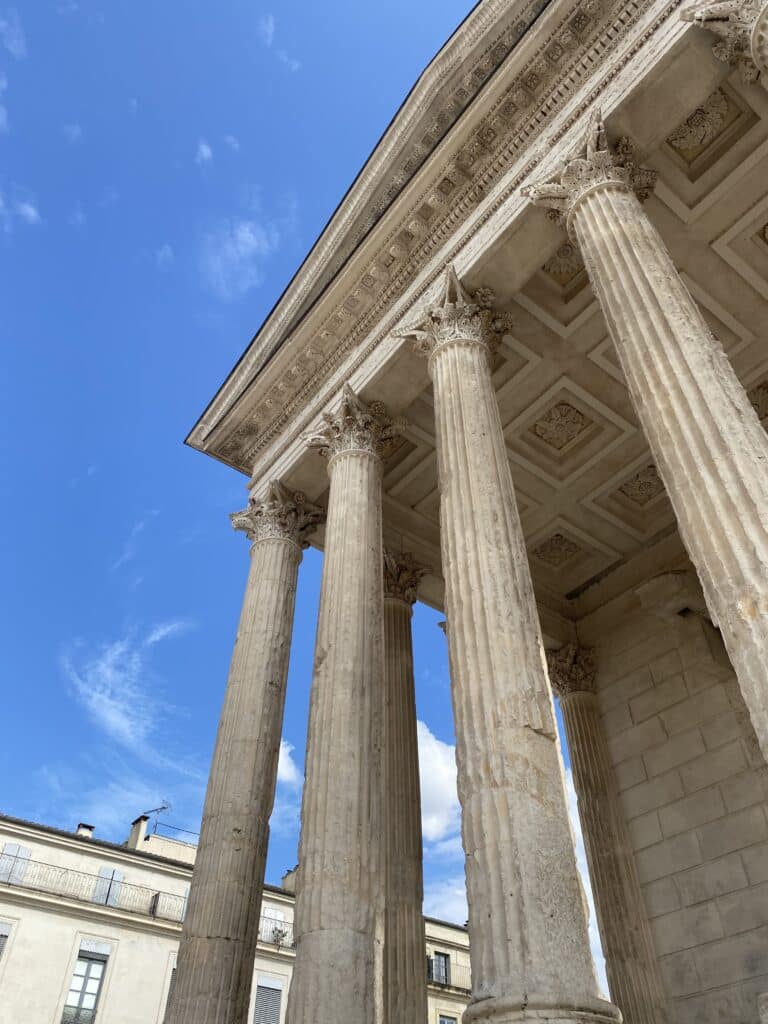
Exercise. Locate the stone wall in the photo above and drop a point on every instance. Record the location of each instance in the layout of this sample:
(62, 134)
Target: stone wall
(693, 787)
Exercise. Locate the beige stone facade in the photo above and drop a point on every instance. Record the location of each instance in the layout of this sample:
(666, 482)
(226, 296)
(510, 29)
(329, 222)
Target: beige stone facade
(531, 345)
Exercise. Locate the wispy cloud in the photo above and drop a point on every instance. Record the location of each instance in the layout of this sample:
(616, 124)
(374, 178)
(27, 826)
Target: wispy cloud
(117, 687)
(28, 212)
(165, 258)
(12, 33)
(4, 123)
(267, 28)
(233, 142)
(446, 899)
(131, 543)
(234, 254)
(77, 216)
(17, 207)
(73, 132)
(204, 153)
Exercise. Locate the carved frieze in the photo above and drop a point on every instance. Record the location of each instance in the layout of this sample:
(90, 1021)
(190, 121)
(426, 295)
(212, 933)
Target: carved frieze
(280, 515)
(702, 126)
(565, 265)
(742, 27)
(644, 486)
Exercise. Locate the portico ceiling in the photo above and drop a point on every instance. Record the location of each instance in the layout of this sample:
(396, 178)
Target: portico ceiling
(589, 496)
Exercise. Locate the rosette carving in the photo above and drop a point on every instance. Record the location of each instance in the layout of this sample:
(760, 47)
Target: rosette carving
(402, 575)
(572, 670)
(742, 26)
(280, 515)
(595, 164)
(458, 317)
(357, 426)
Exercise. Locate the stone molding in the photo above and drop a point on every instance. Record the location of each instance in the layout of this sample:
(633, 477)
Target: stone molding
(672, 595)
(742, 26)
(356, 427)
(280, 515)
(538, 90)
(402, 575)
(593, 166)
(572, 670)
(458, 318)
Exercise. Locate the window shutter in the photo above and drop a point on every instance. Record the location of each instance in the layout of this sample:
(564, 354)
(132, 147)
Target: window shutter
(267, 1005)
(107, 888)
(3, 940)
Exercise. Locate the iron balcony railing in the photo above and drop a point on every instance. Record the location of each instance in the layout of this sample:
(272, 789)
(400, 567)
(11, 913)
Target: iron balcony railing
(277, 933)
(448, 975)
(106, 889)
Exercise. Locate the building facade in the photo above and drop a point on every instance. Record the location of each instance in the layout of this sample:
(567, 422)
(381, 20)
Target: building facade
(524, 373)
(89, 932)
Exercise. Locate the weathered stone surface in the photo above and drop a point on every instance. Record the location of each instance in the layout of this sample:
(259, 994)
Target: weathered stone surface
(707, 441)
(527, 922)
(218, 942)
(340, 890)
(627, 944)
(405, 979)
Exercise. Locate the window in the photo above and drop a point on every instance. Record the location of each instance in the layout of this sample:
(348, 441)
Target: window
(5, 931)
(170, 988)
(439, 969)
(84, 989)
(447, 1020)
(108, 886)
(269, 995)
(14, 861)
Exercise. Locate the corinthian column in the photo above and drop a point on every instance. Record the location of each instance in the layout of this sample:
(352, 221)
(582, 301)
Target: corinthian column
(218, 940)
(626, 937)
(405, 976)
(527, 922)
(742, 26)
(339, 907)
(707, 442)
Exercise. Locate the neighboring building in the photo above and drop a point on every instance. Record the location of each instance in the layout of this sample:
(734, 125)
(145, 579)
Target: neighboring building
(89, 931)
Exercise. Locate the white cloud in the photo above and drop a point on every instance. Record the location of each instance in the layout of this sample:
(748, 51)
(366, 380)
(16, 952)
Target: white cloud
(116, 685)
(4, 126)
(28, 212)
(290, 62)
(164, 258)
(233, 142)
(72, 132)
(204, 153)
(440, 813)
(234, 254)
(581, 862)
(12, 34)
(131, 543)
(287, 769)
(266, 29)
(446, 899)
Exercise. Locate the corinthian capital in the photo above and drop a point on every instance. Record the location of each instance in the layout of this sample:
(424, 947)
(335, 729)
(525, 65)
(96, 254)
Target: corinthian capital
(572, 670)
(356, 426)
(402, 575)
(743, 29)
(280, 515)
(457, 317)
(594, 164)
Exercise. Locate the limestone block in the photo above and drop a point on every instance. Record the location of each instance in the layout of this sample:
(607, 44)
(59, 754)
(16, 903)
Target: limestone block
(741, 911)
(680, 749)
(755, 861)
(715, 878)
(663, 695)
(655, 793)
(714, 766)
(667, 857)
(636, 740)
(687, 928)
(733, 833)
(705, 705)
(706, 805)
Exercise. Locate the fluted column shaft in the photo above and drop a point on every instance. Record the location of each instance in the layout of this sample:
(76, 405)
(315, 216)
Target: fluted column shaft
(339, 908)
(707, 442)
(630, 959)
(405, 976)
(218, 942)
(529, 944)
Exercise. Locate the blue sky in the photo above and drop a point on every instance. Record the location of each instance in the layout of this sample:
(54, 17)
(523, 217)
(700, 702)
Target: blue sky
(165, 168)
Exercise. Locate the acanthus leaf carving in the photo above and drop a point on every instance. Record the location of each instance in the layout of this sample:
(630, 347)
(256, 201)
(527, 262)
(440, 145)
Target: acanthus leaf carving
(742, 27)
(357, 426)
(280, 515)
(458, 317)
(402, 575)
(572, 670)
(594, 164)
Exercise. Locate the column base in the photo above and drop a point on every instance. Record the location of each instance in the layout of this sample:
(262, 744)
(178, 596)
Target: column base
(539, 1009)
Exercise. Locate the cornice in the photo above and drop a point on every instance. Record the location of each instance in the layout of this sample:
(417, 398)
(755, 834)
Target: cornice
(536, 87)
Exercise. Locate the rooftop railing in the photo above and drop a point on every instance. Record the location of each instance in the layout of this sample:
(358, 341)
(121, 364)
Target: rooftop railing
(106, 889)
(448, 975)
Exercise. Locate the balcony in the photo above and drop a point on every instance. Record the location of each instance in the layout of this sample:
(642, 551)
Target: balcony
(448, 975)
(277, 933)
(106, 889)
